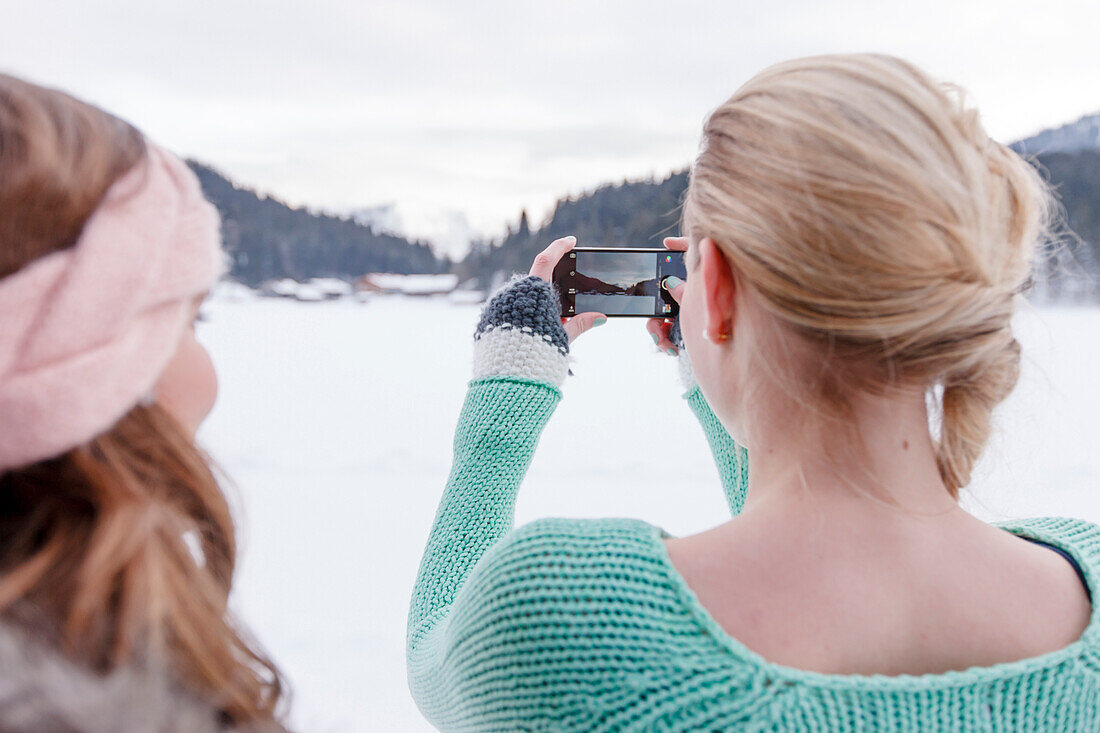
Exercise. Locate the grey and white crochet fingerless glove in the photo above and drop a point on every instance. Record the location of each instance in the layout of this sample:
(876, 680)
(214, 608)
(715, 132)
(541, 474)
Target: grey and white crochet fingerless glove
(520, 333)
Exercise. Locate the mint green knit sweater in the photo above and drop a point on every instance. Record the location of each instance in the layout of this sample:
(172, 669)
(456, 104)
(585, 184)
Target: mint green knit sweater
(585, 625)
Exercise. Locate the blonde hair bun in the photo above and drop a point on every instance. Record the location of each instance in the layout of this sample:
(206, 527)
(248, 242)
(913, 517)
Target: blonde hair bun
(867, 208)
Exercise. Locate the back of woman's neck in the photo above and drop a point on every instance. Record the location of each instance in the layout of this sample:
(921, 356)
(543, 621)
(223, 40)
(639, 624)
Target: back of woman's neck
(896, 469)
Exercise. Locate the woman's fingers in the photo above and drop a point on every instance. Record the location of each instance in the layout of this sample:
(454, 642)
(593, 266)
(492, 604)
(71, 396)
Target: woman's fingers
(581, 322)
(658, 329)
(543, 267)
(674, 286)
(547, 260)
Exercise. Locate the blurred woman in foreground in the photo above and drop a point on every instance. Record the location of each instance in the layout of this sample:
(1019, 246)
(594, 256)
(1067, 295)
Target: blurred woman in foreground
(116, 543)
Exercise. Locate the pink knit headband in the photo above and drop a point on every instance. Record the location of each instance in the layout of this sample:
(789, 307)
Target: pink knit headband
(85, 332)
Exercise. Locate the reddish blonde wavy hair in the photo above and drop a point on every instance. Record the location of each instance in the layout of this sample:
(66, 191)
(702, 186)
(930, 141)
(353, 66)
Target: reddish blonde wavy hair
(98, 541)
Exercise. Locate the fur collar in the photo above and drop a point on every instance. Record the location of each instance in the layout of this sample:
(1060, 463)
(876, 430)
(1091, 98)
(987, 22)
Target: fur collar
(43, 692)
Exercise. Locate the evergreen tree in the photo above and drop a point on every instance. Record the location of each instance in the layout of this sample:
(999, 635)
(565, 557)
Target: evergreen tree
(641, 213)
(266, 239)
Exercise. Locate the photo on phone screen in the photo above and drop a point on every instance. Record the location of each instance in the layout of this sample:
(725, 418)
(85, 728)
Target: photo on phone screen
(618, 281)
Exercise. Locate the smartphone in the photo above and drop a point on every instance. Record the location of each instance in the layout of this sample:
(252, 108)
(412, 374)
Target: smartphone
(618, 281)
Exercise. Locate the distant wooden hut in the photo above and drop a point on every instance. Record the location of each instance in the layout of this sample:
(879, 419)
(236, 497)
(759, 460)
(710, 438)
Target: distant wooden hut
(418, 285)
(315, 290)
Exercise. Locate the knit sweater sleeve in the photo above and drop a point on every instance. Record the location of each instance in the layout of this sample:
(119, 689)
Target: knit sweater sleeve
(520, 361)
(731, 458)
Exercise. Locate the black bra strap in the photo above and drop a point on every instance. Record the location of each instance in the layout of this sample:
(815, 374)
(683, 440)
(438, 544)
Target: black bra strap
(1067, 556)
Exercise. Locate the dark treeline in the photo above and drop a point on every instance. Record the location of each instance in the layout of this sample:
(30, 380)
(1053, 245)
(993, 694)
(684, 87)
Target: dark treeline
(1076, 178)
(267, 239)
(640, 213)
(637, 213)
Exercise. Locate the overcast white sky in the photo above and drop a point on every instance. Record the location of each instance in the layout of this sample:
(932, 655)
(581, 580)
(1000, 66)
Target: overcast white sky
(494, 105)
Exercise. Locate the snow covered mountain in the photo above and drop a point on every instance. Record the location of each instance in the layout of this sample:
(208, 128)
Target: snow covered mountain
(1083, 134)
(449, 232)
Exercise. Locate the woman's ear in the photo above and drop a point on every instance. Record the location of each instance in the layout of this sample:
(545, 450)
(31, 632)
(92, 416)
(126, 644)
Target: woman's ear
(719, 288)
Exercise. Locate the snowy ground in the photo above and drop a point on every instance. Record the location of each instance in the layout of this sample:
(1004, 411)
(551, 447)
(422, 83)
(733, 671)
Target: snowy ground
(335, 422)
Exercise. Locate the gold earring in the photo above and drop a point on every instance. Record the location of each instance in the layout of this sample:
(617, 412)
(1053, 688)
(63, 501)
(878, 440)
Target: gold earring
(712, 339)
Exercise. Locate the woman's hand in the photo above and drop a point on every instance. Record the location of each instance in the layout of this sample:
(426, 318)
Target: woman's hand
(543, 267)
(659, 328)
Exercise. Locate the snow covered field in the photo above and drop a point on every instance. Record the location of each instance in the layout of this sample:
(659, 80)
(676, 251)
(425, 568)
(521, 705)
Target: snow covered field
(335, 422)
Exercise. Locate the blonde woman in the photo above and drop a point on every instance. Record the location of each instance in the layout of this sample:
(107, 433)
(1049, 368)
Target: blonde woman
(855, 246)
(116, 542)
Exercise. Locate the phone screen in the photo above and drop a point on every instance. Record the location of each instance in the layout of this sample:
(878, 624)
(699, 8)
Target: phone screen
(618, 281)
